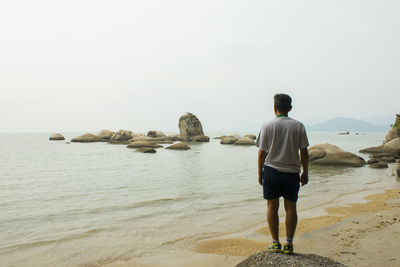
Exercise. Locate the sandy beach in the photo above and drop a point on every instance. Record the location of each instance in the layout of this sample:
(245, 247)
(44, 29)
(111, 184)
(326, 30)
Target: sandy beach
(362, 234)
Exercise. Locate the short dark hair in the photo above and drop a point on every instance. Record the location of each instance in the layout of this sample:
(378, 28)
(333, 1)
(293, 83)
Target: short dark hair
(283, 102)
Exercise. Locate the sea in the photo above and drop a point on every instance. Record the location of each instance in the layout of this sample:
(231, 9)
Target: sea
(88, 204)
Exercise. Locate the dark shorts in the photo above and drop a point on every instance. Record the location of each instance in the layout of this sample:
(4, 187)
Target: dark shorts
(278, 184)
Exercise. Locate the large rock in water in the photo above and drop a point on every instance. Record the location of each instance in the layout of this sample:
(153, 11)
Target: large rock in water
(228, 140)
(330, 155)
(392, 146)
(105, 135)
(245, 141)
(179, 146)
(190, 128)
(155, 134)
(122, 135)
(268, 259)
(86, 138)
(56, 137)
(139, 144)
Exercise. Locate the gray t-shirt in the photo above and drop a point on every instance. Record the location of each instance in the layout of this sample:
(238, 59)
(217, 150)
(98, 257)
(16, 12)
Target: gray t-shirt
(282, 138)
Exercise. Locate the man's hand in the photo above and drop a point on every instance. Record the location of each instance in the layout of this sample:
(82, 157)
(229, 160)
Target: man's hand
(304, 178)
(260, 179)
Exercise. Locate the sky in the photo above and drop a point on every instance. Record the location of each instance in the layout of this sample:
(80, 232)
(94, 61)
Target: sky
(139, 65)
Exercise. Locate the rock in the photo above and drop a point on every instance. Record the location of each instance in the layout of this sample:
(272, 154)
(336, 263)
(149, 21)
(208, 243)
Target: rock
(190, 126)
(146, 150)
(199, 138)
(251, 136)
(174, 137)
(56, 137)
(268, 259)
(142, 138)
(372, 150)
(139, 144)
(105, 135)
(86, 138)
(395, 131)
(155, 134)
(235, 136)
(245, 141)
(379, 165)
(121, 135)
(157, 139)
(385, 154)
(392, 146)
(179, 146)
(228, 140)
(372, 161)
(387, 159)
(163, 142)
(327, 154)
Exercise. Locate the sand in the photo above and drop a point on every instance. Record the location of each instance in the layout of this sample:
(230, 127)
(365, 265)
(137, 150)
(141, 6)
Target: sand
(357, 235)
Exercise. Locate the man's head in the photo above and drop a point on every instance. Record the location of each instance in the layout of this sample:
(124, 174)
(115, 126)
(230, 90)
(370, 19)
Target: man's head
(282, 103)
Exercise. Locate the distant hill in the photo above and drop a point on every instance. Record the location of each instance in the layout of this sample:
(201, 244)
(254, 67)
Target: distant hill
(342, 124)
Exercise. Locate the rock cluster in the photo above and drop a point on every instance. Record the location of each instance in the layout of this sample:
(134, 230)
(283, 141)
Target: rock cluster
(234, 139)
(389, 151)
(179, 146)
(56, 137)
(330, 155)
(268, 259)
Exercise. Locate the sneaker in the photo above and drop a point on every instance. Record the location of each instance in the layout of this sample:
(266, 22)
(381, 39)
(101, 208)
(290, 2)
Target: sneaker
(274, 247)
(287, 248)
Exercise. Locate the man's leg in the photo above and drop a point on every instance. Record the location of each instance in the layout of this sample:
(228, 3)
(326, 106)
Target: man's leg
(291, 218)
(272, 218)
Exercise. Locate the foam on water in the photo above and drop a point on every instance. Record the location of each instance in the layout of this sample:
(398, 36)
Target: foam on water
(75, 204)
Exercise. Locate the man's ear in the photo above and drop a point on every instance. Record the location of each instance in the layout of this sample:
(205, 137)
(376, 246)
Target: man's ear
(275, 109)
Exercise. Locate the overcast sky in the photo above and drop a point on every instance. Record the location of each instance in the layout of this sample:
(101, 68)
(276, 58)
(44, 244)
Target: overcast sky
(140, 65)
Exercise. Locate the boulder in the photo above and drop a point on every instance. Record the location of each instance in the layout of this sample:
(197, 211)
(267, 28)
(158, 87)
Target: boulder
(372, 161)
(392, 146)
(379, 165)
(56, 137)
(146, 150)
(228, 140)
(190, 126)
(142, 138)
(330, 155)
(179, 146)
(199, 138)
(86, 138)
(245, 141)
(387, 159)
(395, 131)
(105, 135)
(174, 137)
(154, 134)
(121, 135)
(385, 154)
(268, 259)
(139, 144)
(251, 136)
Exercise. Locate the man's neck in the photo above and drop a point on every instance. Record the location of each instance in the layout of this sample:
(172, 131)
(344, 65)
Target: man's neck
(279, 115)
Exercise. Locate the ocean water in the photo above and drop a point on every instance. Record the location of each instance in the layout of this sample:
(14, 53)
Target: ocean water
(88, 204)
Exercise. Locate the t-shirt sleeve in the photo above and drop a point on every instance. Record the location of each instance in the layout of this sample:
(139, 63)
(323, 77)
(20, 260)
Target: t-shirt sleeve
(303, 137)
(261, 142)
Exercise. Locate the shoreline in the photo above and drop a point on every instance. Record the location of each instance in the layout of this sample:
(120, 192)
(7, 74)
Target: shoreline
(342, 227)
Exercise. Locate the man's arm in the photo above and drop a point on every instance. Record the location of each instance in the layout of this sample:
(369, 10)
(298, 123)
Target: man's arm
(261, 159)
(304, 161)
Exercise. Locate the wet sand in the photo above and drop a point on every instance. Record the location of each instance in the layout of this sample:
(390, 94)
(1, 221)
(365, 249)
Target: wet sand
(362, 234)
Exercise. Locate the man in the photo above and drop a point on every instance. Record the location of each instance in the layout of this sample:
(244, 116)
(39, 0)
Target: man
(279, 143)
